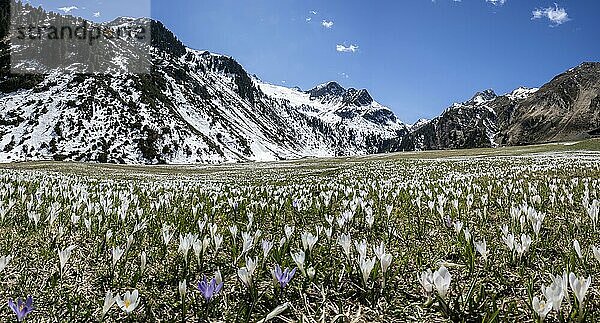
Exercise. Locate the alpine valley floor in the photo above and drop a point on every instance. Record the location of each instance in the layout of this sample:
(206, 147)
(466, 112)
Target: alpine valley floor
(471, 235)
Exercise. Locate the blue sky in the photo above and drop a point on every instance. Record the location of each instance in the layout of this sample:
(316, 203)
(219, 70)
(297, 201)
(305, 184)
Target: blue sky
(415, 56)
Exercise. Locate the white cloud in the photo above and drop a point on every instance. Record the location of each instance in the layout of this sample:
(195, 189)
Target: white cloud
(308, 19)
(556, 15)
(68, 9)
(313, 12)
(327, 24)
(496, 2)
(346, 49)
(97, 14)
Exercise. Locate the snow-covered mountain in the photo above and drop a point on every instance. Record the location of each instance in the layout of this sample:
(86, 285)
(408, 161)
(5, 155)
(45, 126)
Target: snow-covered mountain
(195, 107)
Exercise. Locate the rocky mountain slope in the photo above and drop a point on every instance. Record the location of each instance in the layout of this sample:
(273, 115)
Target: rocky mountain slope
(201, 107)
(195, 106)
(566, 108)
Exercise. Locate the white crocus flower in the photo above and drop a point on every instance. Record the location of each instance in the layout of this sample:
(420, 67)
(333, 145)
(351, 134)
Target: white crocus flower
(366, 266)
(218, 240)
(129, 242)
(481, 247)
(182, 288)
(596, 252)
(386, 261)
(266, 247)
(541, 307)
(577, 248)
(308, 241)
(129, 302)
(186, 243)
(218, 277)
(167, 235)
(504, 230)
(564, 282)
(299, 258)
(197, 247)
(63, 256)
(580, 287)
(233, 230)
(88, 225)
(467, 234)
(379, 251)
(361, 248)
(288, 231)
(245, 273)
(109, 301)
(247, 242)
(117, 253)
(212, 228)
(251, 264)
(555, 293)
(345, 242)
(205, 244)
(441, 281)
(458, 226)
(370, 219)
(143, 261)
(4, 260)
(426, 281)
(509, 240)
(244, 276)
(525, 242)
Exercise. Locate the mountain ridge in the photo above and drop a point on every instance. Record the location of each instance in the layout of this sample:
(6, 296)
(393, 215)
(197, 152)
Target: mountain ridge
(201, 107)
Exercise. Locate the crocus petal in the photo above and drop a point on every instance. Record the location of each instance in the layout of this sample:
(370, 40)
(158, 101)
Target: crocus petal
(13, 306)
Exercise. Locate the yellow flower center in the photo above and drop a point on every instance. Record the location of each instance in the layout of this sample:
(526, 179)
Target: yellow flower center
(127, 303)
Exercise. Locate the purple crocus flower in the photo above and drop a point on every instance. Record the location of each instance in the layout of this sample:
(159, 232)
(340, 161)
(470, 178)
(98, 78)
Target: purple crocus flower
(284, 277)
(209, 289)
(448, 222)
(21, 308)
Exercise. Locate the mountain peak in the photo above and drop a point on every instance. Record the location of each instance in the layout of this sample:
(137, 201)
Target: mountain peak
(483, 96)
(521, 93)
(327, 89)
(358, 97)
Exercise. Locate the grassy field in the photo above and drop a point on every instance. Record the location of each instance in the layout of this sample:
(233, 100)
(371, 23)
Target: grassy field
(473, 235)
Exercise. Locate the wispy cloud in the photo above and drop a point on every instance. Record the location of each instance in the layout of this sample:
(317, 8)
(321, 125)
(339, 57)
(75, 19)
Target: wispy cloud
(496, 2)
(97, 14)
(68, 9)
(346, 49)
(312, 12)
(556, 15)
(327, 24)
